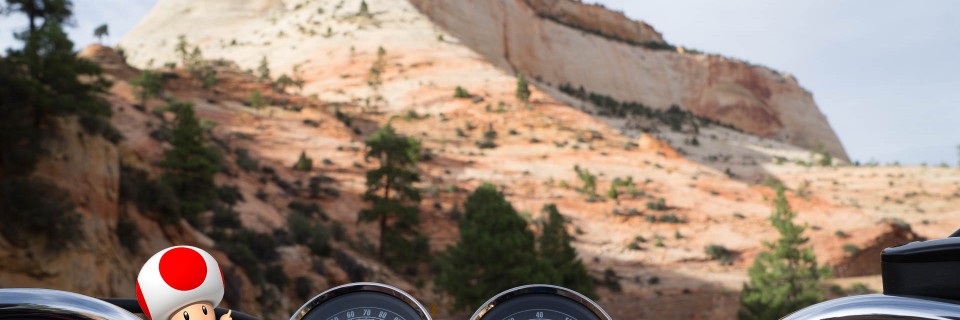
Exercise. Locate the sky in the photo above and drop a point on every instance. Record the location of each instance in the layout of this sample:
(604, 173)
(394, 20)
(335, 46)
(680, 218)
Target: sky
(883, 72)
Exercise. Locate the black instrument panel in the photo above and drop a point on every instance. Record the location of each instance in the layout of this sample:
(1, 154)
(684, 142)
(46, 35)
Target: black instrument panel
(540, 302)
(362, 301)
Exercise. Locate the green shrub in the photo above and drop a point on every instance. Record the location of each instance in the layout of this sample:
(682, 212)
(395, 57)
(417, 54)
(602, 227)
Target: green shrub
(337, 231)
(670, 218)
(611, 280)
(303, 287)
(659, 205)
(153, 198)
(310, 210)
(243, 256)
(523, 89)
(301, 228)
(612, 193)
(229, 195)
(304, 163)
(349, 264)
(320, 241)
(719, 253)
(276, 276)
(127, 234)
(245, 162)
(488, 136)
(263, 246)
(858, 289)
(588, 179)
(654, 280)
(851, 249)
(343, 117)
(225, 218)
(461, 93)
(31, 207)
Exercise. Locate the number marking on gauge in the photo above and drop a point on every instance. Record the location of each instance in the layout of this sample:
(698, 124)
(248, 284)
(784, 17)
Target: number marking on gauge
(539, 314)
(366, 313)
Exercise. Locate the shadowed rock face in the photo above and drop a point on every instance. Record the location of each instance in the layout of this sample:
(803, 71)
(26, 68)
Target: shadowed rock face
(556, 41)
(596, 19)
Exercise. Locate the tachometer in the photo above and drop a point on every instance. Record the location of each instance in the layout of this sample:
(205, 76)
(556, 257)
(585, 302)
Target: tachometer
(540, 302)
(362, 301)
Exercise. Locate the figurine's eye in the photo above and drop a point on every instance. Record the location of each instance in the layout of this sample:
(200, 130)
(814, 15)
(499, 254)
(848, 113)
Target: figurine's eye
(186, 316)
(204, 308)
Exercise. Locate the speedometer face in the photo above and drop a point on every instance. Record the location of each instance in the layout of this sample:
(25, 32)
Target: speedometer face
(362, 301)
(540, 302)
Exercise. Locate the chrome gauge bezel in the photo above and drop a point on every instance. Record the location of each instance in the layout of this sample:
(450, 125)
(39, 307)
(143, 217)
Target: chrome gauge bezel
(541, 289)
(361, 287)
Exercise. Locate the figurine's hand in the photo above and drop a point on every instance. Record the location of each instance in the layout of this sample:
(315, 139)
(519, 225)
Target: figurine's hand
(226, 316)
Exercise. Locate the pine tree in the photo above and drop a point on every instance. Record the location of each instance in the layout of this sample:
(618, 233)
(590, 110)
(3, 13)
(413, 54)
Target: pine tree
(496, 251)
(523, 89)
(41, 80)
(147, 85)
(256, 101)
(559, 257)
(589, 181)
(364, 10)
(298, 79)
(263, 70)
(374, 80)
(101, 32)
(283, 82)
(304, 163)
(182, 49)
(189, 166)
(194, 62)
(393, 197)
(785, 278)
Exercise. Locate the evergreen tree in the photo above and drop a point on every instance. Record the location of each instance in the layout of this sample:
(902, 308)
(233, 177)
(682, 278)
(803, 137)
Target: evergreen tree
(283, 82)
(101, 32)
(208, 76)
(523, 89)
(263, 70)
(256, 101)
(374, 80)
(496, 251)
(147, 85)
(194, 62)
(393, 197)
(364, 10)
(189, 166)
(785, 278)
(304, 163)
(298, 79)
(559, 257)
(589, 181)
(41, 80)
(182, 49)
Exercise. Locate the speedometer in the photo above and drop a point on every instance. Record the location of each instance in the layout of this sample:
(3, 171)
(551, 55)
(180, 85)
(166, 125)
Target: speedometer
(362, 301)
(540, 302)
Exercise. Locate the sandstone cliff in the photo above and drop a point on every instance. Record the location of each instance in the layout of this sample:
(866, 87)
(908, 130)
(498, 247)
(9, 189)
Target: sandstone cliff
(525, 37)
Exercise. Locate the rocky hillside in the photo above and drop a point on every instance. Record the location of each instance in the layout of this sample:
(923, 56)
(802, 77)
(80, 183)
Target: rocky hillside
(555, 42)
(696, 182)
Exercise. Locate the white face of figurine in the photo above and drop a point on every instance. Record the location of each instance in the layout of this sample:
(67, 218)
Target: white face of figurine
(196, 311)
